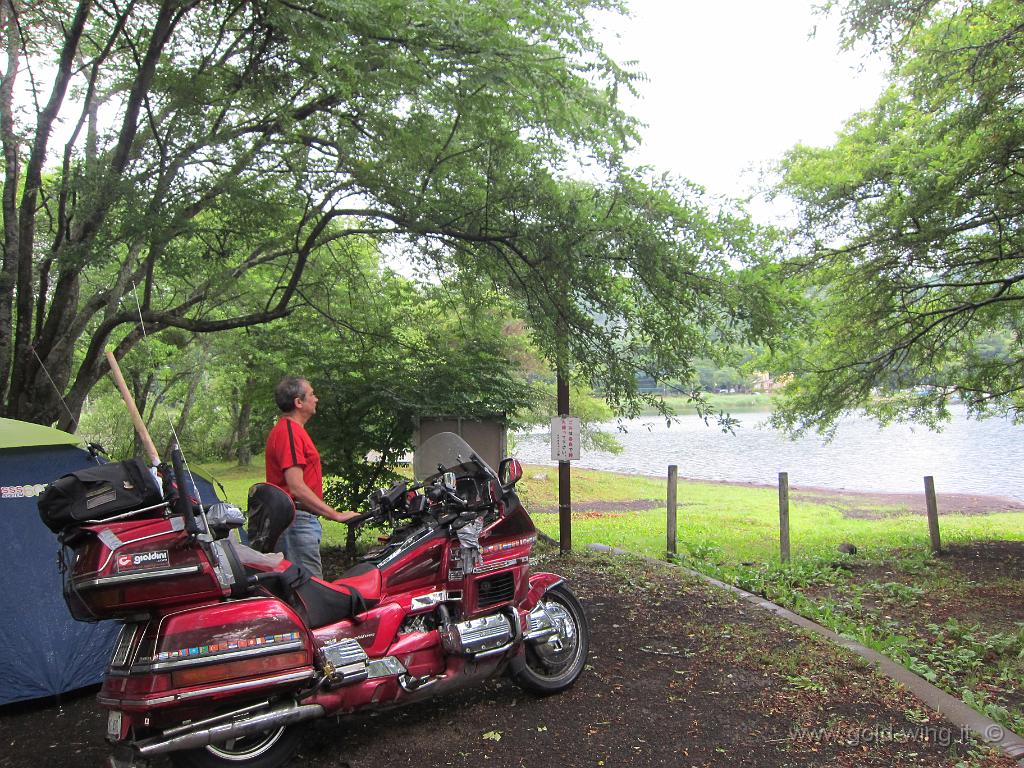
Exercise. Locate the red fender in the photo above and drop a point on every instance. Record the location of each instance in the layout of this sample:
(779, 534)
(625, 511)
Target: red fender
(539, 584)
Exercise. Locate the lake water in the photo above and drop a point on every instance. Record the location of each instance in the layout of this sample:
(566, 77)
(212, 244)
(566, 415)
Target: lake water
(967, 456)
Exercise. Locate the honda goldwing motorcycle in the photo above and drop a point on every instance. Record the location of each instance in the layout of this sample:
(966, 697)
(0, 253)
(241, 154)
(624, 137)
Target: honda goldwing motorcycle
(225, 649)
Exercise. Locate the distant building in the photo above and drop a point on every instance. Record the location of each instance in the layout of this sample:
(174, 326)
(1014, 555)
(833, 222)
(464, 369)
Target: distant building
(762, 381)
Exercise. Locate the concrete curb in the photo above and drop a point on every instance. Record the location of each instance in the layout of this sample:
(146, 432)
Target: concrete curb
(949, 706)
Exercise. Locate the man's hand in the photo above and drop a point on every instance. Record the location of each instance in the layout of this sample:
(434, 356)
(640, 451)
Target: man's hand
(309, 500)
(340, 517)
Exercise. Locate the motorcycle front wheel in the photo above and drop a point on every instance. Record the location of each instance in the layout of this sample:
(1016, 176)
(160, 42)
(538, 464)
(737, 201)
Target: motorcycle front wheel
(553, 665)
(267, 749)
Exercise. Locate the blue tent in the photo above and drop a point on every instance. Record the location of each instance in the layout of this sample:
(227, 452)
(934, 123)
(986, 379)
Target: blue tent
(43, 651)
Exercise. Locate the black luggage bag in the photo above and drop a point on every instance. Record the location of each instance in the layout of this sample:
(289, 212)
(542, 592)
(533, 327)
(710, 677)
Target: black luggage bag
(98, 493)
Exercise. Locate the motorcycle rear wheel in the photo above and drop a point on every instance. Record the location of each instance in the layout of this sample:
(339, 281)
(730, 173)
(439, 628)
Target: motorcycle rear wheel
(267, 749)
(553, 666)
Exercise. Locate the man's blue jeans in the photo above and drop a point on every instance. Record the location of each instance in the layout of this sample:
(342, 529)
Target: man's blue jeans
(300, 543)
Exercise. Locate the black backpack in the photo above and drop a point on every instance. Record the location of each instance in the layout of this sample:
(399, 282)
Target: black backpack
(98, 493)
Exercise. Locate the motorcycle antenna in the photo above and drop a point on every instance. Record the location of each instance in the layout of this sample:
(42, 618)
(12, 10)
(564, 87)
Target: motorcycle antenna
(60, 396)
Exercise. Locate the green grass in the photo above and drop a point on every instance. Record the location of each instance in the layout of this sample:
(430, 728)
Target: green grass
(738, 403)
(235, 479)
(540, 486)
(721, 524)
(730, 524)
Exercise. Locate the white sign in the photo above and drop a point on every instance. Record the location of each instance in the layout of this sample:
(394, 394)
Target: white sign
(565, 438)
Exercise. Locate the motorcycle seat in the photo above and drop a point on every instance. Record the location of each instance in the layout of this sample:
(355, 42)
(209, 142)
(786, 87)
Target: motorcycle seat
(324, 602)
(365, 579)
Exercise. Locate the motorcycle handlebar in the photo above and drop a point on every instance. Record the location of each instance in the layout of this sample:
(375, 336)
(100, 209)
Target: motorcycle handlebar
(359, 519)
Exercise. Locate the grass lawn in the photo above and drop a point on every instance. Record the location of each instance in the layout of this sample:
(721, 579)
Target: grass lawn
(737, 403)
(731, 524)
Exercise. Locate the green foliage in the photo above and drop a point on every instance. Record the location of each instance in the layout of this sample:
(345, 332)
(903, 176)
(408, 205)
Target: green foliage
(912, 222)
(381, 352)
(231, 157)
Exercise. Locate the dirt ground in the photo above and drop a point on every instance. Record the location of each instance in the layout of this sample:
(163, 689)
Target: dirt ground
(872, 506)
(678, 675)
(977, 585)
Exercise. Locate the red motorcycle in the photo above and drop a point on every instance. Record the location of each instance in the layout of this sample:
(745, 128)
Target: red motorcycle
(225, 649)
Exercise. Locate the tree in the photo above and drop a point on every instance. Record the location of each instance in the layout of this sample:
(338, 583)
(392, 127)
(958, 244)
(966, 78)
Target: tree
(210, 149)
(637, 275)
(912, 224)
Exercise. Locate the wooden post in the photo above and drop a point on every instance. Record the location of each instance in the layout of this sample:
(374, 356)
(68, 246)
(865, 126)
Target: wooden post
(564, 488)
(784, 516)
(133, 410)
(670, 528)
(933, 514)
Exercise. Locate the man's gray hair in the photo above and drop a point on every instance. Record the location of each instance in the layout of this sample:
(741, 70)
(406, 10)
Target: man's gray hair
(289, 388)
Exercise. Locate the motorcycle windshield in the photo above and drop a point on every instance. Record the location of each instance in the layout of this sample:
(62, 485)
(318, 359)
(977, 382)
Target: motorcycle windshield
(447, 452)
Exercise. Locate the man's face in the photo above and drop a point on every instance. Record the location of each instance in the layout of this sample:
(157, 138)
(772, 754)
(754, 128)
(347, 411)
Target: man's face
(307, 402)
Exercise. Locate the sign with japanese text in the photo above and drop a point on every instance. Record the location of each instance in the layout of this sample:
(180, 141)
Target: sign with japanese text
(565, 438)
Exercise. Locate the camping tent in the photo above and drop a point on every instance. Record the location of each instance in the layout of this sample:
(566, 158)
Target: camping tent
(43, 651)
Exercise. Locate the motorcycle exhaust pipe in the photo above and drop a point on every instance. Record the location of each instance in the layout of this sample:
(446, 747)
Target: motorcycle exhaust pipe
(287, 714)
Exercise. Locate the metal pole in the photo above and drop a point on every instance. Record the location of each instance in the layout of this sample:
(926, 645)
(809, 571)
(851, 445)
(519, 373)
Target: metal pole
(784, 516)
(933, 514)
(564, 494)
(670, 528)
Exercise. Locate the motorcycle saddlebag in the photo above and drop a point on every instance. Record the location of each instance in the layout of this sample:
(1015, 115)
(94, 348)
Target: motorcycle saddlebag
(97, 493)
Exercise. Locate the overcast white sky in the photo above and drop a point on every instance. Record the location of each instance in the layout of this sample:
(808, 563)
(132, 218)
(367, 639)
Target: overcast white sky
(734, 83)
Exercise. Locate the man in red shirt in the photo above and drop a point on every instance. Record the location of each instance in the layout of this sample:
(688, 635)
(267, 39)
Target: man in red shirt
(293, 464)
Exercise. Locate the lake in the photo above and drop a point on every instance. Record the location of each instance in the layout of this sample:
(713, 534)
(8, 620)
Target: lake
(967, 456)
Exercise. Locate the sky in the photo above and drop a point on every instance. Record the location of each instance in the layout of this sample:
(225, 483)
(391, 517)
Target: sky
(732, 84)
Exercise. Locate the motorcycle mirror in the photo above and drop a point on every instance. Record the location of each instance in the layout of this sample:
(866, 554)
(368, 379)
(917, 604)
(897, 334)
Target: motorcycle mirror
(510, 471)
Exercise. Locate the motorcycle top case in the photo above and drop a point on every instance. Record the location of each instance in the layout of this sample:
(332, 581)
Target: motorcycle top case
(97, 493)
(119, 568)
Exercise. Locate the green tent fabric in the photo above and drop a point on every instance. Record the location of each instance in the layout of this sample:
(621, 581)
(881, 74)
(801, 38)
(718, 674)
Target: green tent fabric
(21, 434)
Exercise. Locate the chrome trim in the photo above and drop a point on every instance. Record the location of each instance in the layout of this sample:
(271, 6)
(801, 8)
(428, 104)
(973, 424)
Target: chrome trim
(291, 677)
(517, 623)
(343, 662)
(125, 515)
(409, 544)
(177, 524)
(387, 666)
(406, 682)
(215, 719)
(222, 565)
(244, 653)
(140, 576)
(343, 652)
(539, 624)
(424, 602)
(125, 641)
(285, 714)
(107, 702)
(492, 652)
